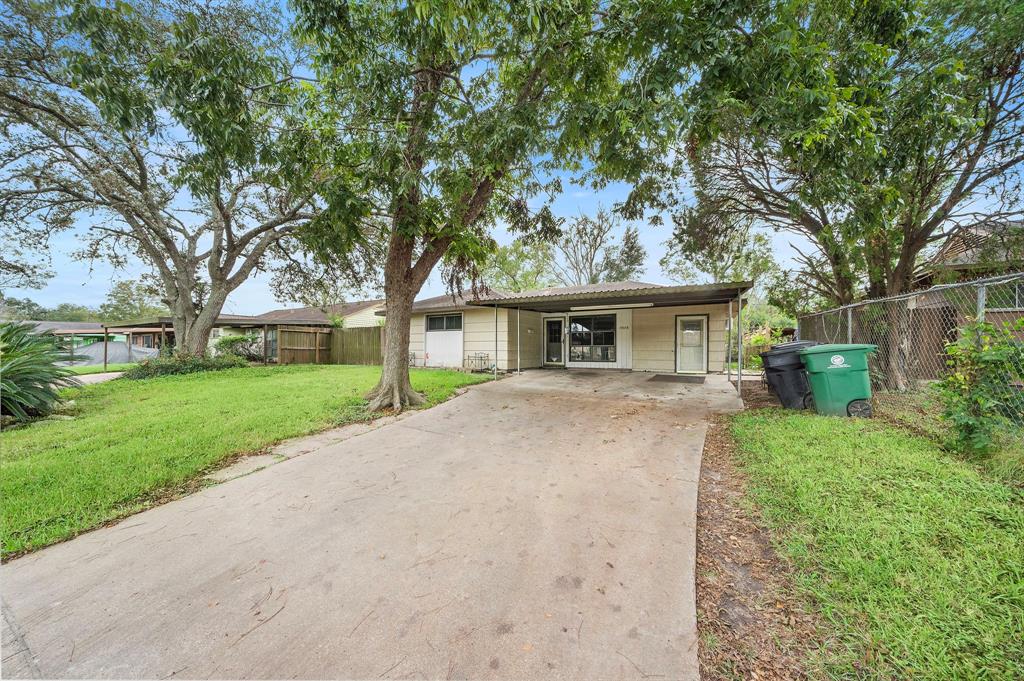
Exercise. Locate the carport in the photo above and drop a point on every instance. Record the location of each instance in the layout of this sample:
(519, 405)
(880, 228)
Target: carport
(618, 318)
(156, 332)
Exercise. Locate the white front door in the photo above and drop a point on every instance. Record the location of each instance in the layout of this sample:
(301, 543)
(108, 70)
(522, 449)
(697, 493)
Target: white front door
(443, 342)
(691, 345)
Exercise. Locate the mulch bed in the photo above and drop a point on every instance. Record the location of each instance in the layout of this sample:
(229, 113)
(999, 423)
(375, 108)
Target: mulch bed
(750, 623)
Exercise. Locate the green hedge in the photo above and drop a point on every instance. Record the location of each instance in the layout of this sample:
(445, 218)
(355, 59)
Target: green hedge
(172, 366)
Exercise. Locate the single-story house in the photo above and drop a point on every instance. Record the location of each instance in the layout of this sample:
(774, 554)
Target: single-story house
(615, 325)
(357, 314)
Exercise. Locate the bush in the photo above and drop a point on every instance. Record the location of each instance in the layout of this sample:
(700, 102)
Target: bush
(249, 346)
(172, 366)
(979, 394)
(30, 378)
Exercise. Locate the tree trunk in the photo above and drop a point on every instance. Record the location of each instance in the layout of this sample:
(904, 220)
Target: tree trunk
(191, 327)
(394, 390)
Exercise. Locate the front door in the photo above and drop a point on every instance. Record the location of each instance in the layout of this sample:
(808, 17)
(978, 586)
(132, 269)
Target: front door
(691, 345)
(554, 345)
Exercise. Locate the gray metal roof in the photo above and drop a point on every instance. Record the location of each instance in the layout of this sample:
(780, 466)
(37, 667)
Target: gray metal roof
(560, 298)
(618, 293)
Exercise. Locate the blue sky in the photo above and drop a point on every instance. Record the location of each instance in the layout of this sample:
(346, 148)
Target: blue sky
(87, 283)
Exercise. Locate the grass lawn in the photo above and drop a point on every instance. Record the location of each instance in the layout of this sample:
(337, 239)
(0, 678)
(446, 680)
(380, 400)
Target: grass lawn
(915, 558)
(921, 412)
(133, 442)
(98, 368)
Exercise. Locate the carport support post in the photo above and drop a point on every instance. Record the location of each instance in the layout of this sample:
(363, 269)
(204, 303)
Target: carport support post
(265, 361)
(519, 330)
(163, 336)
(728, 346)
(739, 345)
(129, 347)
(106, 337)
(495, 342)
(71, 349)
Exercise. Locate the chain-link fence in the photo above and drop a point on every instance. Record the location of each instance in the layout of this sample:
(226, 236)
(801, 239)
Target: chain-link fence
(912, 331)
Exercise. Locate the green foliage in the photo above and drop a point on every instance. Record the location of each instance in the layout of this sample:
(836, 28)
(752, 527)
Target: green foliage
(588, 252)
(131, 300)
(870, 129)
(248, 346)
(170, 124)
(911, 557)
(30, 378)
(761, 314)
(25, 308)
(704, 247)
(981, 393)
(60, 478)
(520, 266)
(625, 261)
(183, 364)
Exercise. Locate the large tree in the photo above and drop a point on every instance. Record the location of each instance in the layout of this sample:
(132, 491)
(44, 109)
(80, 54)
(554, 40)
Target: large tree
(520, 266)
(870, 130)
(588, 252)
(448, 114)
(128, 300)
(155, 130)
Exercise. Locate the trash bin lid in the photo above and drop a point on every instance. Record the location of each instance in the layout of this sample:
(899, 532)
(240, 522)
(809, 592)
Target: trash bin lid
(792, 346)
(839, 347)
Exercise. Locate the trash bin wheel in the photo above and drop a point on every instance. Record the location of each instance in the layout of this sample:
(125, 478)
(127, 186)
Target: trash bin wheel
(859, 409)
(809, 401)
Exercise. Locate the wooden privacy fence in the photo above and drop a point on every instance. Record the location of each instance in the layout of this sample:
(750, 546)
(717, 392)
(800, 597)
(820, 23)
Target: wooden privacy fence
(303, 345)
(312, 345)
(357, 345)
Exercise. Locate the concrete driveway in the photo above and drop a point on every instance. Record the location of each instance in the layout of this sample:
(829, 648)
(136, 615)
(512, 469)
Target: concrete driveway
(538, 527)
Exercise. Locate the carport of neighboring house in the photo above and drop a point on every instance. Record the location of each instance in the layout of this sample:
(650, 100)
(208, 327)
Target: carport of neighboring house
(624, 325)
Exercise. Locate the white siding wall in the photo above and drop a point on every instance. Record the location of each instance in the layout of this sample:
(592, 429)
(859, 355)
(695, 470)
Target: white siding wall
(363, 318)
(654, 336)
(477, 335)
(645, 337)
(416, 327)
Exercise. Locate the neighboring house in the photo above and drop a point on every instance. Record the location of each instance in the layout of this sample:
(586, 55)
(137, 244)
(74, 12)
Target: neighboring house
(353, 315)
(973, 252)
(79, 334)
(615, 325)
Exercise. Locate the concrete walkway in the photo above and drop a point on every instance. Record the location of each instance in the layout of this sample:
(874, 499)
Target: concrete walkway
(538, 527)
(89, 379)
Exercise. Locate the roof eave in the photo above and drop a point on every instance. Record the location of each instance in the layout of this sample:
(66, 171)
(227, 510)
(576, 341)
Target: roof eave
(696, 294)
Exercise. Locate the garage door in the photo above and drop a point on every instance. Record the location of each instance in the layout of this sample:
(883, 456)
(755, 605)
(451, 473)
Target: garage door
(443, 343)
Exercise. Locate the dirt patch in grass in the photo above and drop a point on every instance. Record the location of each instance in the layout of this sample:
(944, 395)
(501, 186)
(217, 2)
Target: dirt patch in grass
(750, 624)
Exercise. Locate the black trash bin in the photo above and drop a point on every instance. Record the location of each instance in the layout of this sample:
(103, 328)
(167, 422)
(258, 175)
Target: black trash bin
(785, 373)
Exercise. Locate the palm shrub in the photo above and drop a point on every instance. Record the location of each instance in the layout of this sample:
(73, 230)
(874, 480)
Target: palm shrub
(30, 378)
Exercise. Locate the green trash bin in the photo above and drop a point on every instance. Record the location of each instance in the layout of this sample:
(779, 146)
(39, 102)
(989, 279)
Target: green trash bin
(838, 374)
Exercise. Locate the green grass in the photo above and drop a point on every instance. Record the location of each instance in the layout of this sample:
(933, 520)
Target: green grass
(133, 442)
(98, 368)
(917, 559)
(921, 412)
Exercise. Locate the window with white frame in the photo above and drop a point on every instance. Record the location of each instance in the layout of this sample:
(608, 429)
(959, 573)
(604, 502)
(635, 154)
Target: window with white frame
(592, 338)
